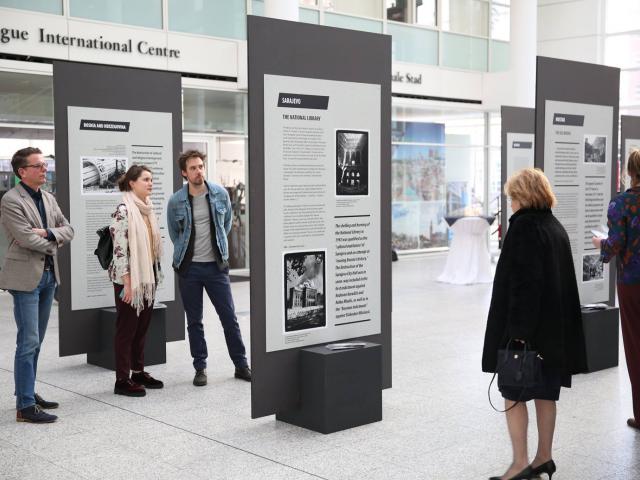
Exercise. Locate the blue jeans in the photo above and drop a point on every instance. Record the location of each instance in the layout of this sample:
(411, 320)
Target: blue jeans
(31, 312)
(207, 275)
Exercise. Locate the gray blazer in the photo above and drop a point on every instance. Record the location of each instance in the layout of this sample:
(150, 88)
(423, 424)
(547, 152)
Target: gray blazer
(23, 264)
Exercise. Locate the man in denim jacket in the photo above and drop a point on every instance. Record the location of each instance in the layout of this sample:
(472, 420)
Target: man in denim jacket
(199, 220)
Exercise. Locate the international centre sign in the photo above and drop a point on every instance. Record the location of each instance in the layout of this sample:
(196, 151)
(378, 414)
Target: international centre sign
(25, 34)
(7, 35)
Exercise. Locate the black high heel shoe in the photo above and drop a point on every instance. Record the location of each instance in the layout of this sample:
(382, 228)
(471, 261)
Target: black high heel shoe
(549, 468)
(525, 474)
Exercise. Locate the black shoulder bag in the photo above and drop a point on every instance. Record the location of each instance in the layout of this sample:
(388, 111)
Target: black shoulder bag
(104, 250)
(517, 368)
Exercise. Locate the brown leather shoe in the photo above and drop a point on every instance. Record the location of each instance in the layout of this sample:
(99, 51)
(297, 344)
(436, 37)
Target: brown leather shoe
(633, 423)
(129, 388)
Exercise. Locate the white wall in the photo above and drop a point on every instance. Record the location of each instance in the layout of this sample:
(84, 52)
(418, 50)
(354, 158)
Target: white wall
(365, 8)
(571, 29)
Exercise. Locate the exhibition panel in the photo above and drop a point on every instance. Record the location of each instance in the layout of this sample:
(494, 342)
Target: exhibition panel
(320, 189)
(576, 137)
(107, 119)
(103, 144)
(629, 141)
(518, 126)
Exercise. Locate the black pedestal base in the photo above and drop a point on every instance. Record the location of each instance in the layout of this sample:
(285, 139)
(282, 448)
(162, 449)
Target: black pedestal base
(155, 349)
(601, 337)
(338, 389)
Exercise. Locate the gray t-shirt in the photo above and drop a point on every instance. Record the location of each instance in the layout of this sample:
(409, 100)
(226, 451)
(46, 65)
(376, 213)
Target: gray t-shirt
(202, 245)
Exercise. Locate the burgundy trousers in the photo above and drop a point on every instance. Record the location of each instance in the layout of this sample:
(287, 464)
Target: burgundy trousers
(629, 299)
(131, 332)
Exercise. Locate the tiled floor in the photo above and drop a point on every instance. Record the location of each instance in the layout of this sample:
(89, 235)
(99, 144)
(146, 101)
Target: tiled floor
(437, 421)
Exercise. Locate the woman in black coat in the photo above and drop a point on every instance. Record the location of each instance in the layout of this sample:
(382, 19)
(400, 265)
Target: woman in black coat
(535, 300)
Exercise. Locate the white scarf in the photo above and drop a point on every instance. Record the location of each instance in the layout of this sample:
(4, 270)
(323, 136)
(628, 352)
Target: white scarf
(142, 250)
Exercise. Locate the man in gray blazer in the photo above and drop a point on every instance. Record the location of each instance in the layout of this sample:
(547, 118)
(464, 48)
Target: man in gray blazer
(36, 229)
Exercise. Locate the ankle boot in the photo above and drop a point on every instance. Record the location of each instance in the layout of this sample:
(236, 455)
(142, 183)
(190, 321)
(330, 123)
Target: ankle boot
(129, 388)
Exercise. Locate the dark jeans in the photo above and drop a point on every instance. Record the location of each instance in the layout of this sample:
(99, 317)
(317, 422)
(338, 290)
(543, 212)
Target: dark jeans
(31, 312)
(208, 275)
(131, 333)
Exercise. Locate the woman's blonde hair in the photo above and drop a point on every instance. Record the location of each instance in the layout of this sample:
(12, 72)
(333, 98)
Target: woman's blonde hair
(633, 167)
(530, 188)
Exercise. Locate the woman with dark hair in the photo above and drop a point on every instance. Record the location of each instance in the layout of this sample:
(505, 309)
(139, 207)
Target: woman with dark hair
(135, 273)
(623, 243)
(535, 302)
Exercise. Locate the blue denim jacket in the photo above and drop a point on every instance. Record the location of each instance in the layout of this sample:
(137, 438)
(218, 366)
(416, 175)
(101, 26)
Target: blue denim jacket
(179, 219)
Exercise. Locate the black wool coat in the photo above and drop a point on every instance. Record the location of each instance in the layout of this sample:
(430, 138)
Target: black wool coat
(535, 294)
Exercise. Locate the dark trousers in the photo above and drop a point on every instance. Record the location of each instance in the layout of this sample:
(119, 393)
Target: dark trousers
(208, 276)
(629, 298)
(131, 332)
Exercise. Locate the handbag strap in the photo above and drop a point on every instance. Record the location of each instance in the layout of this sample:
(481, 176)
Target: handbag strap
(494, 377)
(491, 403)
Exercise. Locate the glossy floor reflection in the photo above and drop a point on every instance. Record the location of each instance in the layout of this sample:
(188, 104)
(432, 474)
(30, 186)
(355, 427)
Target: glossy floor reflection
(437, 420)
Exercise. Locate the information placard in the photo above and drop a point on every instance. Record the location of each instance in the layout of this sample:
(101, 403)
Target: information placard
(103, 144)
(323, 183)
(320, 198)
(517, 138)
(578, 162)
(519, 155)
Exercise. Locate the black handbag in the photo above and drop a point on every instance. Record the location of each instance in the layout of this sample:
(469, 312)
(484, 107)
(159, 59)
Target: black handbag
(517, 368)
(104, 250)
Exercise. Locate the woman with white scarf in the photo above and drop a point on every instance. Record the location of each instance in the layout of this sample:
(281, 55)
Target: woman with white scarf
(135, 273)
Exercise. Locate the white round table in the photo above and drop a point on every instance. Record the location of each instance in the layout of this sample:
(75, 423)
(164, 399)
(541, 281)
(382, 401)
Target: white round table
(468, 260)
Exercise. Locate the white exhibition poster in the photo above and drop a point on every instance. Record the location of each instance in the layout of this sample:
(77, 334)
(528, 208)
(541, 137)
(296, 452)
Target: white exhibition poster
(519, 156)
(630, 144)
(578, 162)
(322, 210)
(103, 144)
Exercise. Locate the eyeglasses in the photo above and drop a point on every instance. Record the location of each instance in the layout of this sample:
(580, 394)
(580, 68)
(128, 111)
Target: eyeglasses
(40, 166)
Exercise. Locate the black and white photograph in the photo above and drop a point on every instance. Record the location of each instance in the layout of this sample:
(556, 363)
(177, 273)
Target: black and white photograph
(595, 148)
(352, 163)
(592, 268)
(304, 296)
(100, 174)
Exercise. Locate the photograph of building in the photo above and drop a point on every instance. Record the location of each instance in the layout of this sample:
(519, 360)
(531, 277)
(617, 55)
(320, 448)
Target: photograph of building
(304, 291)
(592, 268)
(352, 163)
(595, 148)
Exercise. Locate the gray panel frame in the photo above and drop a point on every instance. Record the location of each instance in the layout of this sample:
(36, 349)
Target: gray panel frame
(280, 47)
(514, 120)
(629, 128)
(100, 86)
(569, 81)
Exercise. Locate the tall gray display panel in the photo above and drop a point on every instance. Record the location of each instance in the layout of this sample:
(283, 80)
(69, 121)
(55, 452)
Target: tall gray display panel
(629, 141)
(576, 144)
(517, 140)
(320, 193)
(108, 118)
(576, 141)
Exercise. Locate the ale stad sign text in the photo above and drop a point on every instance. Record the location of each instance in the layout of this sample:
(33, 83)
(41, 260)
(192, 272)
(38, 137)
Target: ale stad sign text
(406, 78)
